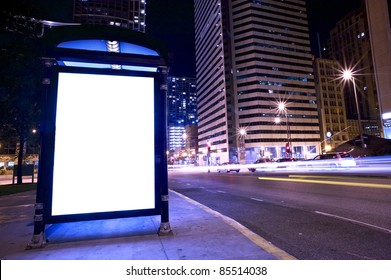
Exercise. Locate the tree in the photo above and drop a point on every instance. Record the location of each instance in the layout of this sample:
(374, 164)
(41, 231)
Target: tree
(20, 87)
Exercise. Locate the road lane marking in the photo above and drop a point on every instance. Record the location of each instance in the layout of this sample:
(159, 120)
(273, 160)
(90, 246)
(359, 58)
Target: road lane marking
(16, 206)
(257, 199)
(332, 177)
(350, 184)
(255, 238)
(319, 176)
(353, 221)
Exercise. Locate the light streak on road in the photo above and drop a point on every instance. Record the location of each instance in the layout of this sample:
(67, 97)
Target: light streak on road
(301, 176)
(373, 164)
(350, 184)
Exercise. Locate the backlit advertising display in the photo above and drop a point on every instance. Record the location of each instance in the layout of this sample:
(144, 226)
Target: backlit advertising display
(104, 144)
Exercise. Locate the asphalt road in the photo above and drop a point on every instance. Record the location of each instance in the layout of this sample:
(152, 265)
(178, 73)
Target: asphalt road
(312, 218)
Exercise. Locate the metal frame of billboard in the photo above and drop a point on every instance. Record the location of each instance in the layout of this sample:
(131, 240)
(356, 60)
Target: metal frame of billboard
(53, 62)
(49, 146)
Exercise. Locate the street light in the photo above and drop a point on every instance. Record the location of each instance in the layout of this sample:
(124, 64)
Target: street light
(184, 143)
(348, 75)
(282, 108)
(242, 147)
(184, 137)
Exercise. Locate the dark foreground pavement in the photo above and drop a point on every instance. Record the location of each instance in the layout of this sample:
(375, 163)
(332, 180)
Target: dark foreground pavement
(199, 233)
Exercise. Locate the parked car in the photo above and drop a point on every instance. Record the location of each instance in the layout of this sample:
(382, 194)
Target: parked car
(262, 162)
(337, 159)
(228, 167)
(285, 162)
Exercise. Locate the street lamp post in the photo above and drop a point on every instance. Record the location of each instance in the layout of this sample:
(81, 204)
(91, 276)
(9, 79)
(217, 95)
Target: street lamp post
(282, 108)
(184, 138)
(242, 147)
(348, 76)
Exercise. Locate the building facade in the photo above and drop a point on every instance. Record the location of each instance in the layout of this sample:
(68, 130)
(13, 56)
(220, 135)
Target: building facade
(181, 110)
(181, 100)
(122, 13)
(379, 23)
(255, 84)
(334, 127)
(350, 44)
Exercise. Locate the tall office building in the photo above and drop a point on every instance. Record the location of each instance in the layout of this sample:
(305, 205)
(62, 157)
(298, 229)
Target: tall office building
(123, 13)
(331, 104)
(255, 85)
(181, 100)
(379, 22)
(350, 44)
(181, 110)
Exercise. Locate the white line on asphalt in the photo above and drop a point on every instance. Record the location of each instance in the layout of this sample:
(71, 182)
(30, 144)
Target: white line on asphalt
(16, 206)
(257, 199)
(221, 192)
(354, 221)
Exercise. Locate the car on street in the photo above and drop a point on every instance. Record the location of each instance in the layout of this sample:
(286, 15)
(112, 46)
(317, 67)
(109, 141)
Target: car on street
(260, 163)
(228, 167)
(285, 162)
(337, 159)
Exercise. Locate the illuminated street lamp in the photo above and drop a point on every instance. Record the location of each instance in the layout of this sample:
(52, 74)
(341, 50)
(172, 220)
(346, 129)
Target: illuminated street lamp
(184, 137)
(242, 148)
(282, 108)
(348, 75)
(242, 132)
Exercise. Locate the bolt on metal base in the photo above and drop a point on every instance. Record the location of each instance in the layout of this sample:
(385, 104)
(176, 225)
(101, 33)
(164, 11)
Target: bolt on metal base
(38, 241)
(165, 229)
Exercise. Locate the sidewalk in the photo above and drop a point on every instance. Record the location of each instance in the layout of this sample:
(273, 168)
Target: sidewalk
(199, 233)
(7, 179)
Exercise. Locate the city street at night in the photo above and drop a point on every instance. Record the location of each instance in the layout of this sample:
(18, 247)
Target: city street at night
(229, 137)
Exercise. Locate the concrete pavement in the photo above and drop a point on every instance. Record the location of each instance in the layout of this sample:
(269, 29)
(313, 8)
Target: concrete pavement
(199, 233)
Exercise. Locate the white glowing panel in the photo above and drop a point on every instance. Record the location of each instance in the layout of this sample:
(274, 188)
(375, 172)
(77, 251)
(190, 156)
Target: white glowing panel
(104, 144)
(386, 116)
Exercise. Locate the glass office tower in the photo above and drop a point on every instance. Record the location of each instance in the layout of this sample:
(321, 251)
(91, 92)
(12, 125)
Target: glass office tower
(123, 13)
(255, 86)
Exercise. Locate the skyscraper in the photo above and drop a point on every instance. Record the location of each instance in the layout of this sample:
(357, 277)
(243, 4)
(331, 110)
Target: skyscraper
(379, 21)
(123, 13)
(350, 44)
(254, 67)
(331, 104)
(181, 109)
(181, 100)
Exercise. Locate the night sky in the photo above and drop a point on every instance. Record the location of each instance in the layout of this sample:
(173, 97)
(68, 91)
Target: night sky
(172, 21)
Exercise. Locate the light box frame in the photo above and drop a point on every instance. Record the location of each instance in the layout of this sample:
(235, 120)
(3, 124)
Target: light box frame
(50, 166)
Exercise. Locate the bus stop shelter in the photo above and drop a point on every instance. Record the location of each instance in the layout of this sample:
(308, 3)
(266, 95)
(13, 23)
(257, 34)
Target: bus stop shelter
(103, 132)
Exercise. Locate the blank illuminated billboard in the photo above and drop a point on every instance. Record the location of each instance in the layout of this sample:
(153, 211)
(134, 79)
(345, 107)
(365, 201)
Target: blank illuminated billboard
(104, 144)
